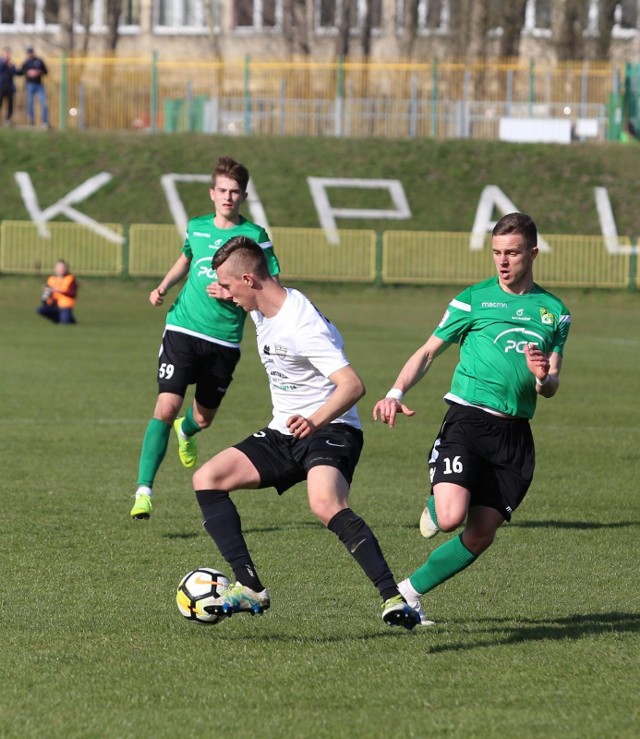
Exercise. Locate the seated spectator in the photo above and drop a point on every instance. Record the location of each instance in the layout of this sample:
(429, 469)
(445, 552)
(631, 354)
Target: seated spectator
(59, 295)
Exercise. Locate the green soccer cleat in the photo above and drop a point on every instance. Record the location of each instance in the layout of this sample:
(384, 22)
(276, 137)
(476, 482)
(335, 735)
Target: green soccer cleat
(187, 447)
(238, 598)
(142, 507)
(395, 612)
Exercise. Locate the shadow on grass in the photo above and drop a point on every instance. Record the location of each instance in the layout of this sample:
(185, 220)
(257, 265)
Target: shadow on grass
(577, 626)
(586, 525)
(577, 525)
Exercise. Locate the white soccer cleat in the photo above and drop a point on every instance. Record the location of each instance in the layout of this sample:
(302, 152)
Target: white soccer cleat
(428, 527)
(413, 600)
(239, 598)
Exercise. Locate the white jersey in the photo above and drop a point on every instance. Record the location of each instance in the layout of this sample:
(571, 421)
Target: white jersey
(299, 349)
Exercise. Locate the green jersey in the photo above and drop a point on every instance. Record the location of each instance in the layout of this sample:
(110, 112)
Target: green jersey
(492, 328)
(194, 312)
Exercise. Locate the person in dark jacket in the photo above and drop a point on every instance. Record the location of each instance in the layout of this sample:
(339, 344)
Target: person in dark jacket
(34, 70)
(8, 71)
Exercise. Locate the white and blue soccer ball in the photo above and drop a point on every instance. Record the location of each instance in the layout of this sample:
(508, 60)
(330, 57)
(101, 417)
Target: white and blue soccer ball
(198, 589)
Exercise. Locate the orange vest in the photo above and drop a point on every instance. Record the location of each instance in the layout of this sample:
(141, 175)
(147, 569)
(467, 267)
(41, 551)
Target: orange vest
(60, 286)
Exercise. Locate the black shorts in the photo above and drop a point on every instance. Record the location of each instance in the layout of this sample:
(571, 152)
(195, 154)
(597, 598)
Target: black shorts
(492, 457)
(187, 360)
(284, 461)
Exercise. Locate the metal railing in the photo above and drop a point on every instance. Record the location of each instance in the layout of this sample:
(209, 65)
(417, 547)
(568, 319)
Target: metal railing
(439, 99)
(392, 257)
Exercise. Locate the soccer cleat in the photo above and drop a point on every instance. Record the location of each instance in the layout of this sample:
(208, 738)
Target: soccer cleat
(414, 602)
(142, 507)
(428, 527)
(238, 598)
(395, 612)
(187, 448)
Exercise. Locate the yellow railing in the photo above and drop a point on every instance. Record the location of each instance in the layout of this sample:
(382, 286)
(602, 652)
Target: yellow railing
(314, 98)
(393, 257)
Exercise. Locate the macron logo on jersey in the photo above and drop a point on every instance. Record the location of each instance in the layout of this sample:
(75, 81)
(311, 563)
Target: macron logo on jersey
(202, 234)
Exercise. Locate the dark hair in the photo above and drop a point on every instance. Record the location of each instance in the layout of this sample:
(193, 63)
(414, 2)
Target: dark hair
(518, 223)
(227, 167)
(246, 252)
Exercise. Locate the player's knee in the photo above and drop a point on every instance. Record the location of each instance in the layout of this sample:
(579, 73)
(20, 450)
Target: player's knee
(450, 520)
(324, 509)
(203, 422)
(206, 478)
(478, 541)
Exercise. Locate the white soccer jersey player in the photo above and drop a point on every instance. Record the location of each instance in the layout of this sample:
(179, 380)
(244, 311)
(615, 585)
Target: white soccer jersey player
(300, 349)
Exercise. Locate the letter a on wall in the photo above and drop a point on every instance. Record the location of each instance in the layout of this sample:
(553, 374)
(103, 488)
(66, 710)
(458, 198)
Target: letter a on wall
(492, 198)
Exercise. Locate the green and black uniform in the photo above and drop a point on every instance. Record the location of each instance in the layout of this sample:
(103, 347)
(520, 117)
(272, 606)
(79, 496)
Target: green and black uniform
(201, 341)
(492, 328)
(485, 443)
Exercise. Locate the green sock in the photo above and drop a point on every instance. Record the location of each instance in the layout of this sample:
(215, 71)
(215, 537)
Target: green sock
(154, 448)
(444, 562)
(431, 505)
(189, 426)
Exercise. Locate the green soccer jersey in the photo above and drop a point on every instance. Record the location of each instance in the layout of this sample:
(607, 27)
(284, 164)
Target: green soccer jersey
(194, 312)
(492, 327)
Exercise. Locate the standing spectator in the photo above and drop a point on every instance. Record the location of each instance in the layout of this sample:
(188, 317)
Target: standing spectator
(7, 86)
(35, 69)
(59, 295)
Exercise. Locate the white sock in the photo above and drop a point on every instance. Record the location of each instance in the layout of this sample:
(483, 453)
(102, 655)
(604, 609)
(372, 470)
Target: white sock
(408, 589)
(144, 490)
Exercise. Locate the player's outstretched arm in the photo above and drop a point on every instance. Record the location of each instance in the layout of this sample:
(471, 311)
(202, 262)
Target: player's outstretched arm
(415, 368)
(177, 272)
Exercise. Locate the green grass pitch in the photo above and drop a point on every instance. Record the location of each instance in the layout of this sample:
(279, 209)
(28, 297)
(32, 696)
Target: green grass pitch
(538, 639)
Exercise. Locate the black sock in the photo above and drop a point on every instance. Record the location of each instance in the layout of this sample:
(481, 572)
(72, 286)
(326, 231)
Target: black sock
(222, 523)
(363, 546)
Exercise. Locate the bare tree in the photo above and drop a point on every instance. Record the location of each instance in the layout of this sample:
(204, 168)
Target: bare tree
(512, 14)
(470, 27)
(569, 23)
(365, 29)
(410, 25)
(296, 26)
(114, 11)
(346, 21)
(606, 11)
(211, 10)
(65, 18)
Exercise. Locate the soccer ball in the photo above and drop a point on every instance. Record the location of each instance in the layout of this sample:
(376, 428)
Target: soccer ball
(198, 589)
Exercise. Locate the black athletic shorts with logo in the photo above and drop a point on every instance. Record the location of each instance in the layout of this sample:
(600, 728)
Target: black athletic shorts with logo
(187, 360)
(490, 456)
(283, 461)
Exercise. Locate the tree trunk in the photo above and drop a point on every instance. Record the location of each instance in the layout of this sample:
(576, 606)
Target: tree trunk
(66, 25)
(345, 22)
(512, 22)
(114, 9)
(410, 25)
(605, 27)
(295, 26)
(570, 17)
